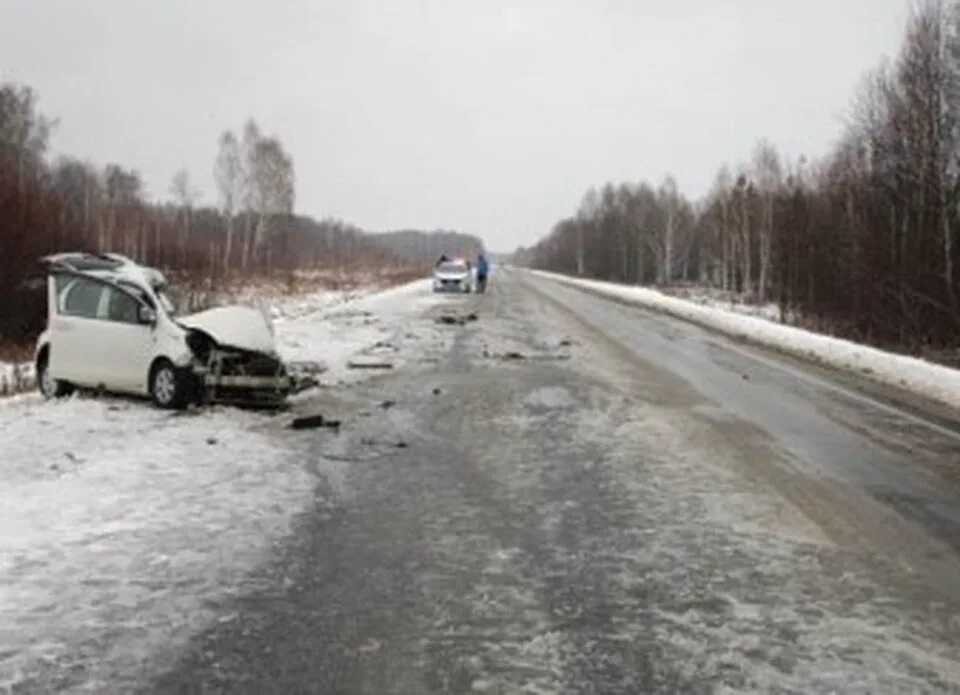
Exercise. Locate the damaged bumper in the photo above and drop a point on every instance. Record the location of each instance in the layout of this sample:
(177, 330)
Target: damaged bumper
(252, 375)
(251, 379)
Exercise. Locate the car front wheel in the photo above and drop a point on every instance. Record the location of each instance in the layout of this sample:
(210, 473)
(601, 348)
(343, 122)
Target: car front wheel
(170, 388)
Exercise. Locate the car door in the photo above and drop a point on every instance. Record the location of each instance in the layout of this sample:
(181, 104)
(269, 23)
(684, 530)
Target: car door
(131, 341)
(75, 341)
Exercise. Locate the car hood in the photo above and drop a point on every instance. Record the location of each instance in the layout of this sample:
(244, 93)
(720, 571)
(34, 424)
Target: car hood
(240, 327)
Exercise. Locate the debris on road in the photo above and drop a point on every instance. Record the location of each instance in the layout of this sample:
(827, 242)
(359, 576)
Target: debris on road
(457, 319)
(437, 391)
(370, 441)
(386, 405)
(312, 422)
(364, 364)
(509, 356)
(516, 356)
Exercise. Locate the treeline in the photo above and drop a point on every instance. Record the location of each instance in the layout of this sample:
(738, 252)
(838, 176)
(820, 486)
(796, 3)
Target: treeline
(863, 242)
(68, 204)
(414, 246)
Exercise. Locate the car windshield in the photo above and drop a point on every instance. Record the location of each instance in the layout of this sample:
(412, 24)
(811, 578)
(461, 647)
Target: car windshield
(452, 268)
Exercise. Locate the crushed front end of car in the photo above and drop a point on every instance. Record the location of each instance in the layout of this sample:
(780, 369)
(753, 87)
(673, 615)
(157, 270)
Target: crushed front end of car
(234, 360)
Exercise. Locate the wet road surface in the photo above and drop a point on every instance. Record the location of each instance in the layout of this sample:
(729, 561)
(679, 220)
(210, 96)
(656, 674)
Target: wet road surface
(583, 497)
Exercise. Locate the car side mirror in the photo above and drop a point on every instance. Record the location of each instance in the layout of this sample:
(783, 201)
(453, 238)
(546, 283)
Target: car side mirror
(146, 315)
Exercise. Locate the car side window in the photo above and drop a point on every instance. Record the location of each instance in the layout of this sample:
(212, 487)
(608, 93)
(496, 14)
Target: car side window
(139, 293)
(121, 306)
(81, 297)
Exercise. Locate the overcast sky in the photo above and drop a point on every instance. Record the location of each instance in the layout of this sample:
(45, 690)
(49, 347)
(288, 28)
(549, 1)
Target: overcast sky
(486, 116)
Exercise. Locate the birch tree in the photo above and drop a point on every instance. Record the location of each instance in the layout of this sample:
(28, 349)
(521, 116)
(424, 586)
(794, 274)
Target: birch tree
(185, 194)
(229, 175)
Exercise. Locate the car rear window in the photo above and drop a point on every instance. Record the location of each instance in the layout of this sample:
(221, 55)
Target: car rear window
(452, 268)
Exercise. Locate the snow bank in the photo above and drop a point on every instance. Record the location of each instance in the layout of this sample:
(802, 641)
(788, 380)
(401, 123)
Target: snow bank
(916, 376)
(726, 301)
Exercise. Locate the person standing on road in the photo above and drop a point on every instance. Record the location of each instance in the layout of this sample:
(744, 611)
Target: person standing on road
(483, 269)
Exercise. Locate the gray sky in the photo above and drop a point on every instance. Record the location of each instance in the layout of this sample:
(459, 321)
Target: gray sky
(485, 116)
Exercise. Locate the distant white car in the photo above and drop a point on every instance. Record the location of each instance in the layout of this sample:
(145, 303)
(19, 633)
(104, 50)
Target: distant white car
(453, 276)
(112, 326)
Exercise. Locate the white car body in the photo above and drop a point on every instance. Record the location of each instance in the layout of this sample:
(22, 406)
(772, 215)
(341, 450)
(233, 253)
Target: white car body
(453, 276)
(110, 324)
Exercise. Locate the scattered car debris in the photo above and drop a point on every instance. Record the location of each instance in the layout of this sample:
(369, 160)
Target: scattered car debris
(212, 440)
(365, 364)
(313, 422)
(566, 342)
(350, 314)
(511, 355)
(437, 391)
(370, 441)
(457, 319)
(386, 405)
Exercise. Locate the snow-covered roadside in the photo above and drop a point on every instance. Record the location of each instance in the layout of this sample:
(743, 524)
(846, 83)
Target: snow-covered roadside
(116, 518)
(124, 529)
(15, 377)
(725, 301)
(910, 374)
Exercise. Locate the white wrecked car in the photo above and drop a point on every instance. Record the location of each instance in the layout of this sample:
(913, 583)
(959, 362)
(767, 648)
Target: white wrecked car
(112, 326)
(453, 276)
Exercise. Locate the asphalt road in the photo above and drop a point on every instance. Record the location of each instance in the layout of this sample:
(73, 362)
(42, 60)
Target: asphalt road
(583, 497)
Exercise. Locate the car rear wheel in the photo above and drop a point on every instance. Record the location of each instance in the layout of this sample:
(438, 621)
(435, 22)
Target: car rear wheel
(50, 387)
(170, 388)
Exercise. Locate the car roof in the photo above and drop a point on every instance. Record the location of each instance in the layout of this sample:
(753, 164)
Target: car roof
(106, 266)
(84, 262)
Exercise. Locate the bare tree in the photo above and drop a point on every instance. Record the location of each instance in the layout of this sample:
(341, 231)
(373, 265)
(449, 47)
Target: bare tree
(24, 131)
(229, 176)
(185, 194)
(766, 167)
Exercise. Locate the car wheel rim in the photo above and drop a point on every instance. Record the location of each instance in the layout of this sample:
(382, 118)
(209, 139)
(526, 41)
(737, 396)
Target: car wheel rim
(164, 386)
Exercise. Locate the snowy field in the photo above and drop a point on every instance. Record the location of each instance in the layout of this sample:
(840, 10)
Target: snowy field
(123, 528)
(916, 376)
